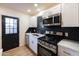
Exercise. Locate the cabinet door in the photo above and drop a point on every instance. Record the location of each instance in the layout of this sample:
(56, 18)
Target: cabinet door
(64, 51)
(70, 15)
(30, 41)
(27, 39)
(33, 43)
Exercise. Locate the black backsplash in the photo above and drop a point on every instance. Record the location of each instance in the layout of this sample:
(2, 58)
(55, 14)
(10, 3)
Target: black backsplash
(31, 30)
(40, 29)
(73, 32)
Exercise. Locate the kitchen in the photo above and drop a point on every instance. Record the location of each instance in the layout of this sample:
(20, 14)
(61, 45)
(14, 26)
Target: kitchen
(51, 32)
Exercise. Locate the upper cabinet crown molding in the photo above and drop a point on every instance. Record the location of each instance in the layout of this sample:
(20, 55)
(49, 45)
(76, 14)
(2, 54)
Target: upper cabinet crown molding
(70, 13)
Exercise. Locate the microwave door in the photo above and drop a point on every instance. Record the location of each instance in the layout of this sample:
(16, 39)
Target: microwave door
(48, 21)
(57, 20)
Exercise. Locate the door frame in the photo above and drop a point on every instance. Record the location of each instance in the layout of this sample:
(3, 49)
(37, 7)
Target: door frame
(2, 17)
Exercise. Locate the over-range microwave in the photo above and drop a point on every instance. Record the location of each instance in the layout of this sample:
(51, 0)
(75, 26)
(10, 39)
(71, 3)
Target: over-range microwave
(54, 20)
(48, 21)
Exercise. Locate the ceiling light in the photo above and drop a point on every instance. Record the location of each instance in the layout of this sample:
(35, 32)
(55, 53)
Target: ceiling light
(28, 10)
(35, 5)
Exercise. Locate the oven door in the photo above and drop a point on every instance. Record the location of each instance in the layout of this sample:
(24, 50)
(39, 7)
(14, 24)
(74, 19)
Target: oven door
(44, 52)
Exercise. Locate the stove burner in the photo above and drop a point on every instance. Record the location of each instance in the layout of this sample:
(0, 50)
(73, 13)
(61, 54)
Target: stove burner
(54, 40)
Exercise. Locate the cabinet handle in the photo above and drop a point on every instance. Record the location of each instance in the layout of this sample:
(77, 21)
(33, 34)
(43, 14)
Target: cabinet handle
(66, 52)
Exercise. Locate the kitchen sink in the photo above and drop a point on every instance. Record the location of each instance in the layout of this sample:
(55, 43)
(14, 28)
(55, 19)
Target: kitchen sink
(35, 34)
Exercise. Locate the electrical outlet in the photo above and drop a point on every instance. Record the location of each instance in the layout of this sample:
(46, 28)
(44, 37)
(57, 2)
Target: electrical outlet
(66, 34)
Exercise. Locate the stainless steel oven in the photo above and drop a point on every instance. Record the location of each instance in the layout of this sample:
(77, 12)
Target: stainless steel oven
(46, 48)
(43, 51)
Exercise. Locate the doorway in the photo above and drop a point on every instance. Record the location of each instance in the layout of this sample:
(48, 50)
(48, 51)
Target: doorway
(10, 32)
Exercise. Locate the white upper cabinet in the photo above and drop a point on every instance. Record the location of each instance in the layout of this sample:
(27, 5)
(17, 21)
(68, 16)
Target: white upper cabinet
(33, 22)
(70, 17)
(54, 10)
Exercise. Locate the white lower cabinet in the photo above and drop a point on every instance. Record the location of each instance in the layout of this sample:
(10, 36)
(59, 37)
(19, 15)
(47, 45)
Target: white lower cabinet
(68, 48)
(33, 43)
(63, 51)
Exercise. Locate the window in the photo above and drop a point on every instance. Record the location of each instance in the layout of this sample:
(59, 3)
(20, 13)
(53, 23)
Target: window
(10, 25)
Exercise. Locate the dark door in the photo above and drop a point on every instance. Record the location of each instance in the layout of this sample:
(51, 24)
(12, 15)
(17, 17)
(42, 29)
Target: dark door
(10, 32)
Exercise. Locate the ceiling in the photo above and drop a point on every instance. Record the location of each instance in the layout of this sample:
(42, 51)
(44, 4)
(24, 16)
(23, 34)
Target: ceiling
(23, 7)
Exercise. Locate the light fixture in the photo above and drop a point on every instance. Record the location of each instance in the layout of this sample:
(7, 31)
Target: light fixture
(28, 10)
(35, 4)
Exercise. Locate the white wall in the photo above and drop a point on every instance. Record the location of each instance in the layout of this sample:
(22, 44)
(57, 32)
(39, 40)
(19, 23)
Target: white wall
(24, 23)
(33, 21)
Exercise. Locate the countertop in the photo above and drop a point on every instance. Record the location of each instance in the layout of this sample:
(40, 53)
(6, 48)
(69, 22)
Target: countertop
(69, 44)
(37, 35)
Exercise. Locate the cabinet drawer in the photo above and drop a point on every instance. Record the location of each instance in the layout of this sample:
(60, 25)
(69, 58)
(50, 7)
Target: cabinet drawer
(63, 51)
